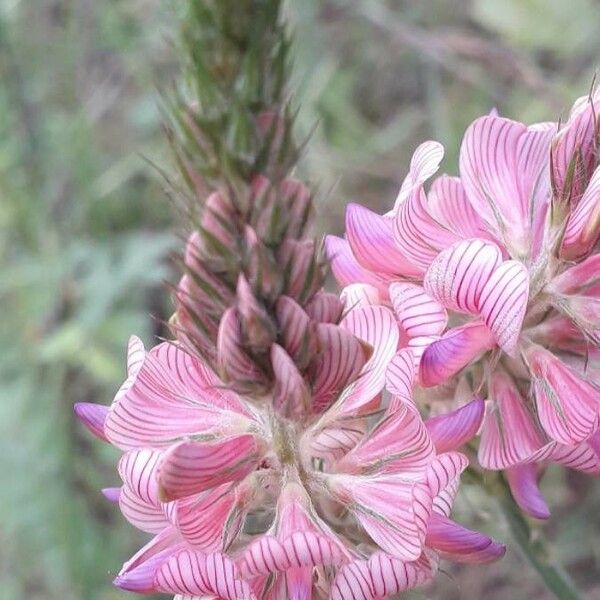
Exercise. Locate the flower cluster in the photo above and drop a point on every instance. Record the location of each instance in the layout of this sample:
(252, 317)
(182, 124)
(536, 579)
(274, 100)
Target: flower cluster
(250, 501)
(494, 280)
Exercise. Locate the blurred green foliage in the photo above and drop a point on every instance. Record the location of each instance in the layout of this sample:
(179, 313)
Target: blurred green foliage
(86, 233)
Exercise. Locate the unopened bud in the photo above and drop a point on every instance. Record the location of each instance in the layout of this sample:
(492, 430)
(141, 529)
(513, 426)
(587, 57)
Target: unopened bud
(258, 328)
(296, 331)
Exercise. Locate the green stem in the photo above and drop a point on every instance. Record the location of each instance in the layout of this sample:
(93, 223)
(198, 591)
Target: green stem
(536, 551)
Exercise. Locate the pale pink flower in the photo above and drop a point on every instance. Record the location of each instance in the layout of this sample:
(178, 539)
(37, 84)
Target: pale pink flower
(493, 278)
(295, 495)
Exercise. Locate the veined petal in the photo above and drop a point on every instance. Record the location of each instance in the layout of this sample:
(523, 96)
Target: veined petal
(578, 277)
(377, 327)
(584, 456)
(454, 429)
(503, 302)
(567, 405)
(424, 163)
(417, 312)
(291, 394)
(371, 238)
(346, 268)
(93, 416)
(393, 511)
(360, 294)
(458, 275)
(457, 543)
(192, 467)
(192, 573)
(331, 443)
(324, 307)
(509, 434)
(523, 482)
(296, 330)
(147, 516)
(137, 574)
(444, 470)
(449, 204)
(135, 359)
(453, 351)
(401, 374)
(138, 470)
(398, 444)
(583, 226)
(341, 359)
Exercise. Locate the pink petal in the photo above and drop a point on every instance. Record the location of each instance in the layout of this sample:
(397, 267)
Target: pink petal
(401, 375)
(418, 236)
(503, 302)
(346, 268)
(458, 275)
(112, 494)
(377, 327)
(331, 443)
(444, 470)
(193, 573)
(205, 520)
(523, 482)
(138, 470)
(584, 456)
(449, 204)
(324, 307)
(93, 416)
(135, 359)
(296, 331)
(509, 434)
(581, 275)
(379, 577)
(457, 543)
(567, 405)
(372, 241)
(360, 294)
(173, 395)
(191, 467)
(393, 511)
(291, 394)
(583, 226)
(456, 428)
(137, 574)
(341, 359)
(147, 516)
(417, 313)
(398, 444)
(445, 357)
(424, 163)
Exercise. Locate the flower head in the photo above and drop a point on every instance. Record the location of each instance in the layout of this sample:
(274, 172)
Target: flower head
(493, 279)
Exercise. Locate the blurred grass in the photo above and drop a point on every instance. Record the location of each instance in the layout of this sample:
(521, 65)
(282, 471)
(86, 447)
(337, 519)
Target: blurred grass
(86, 231)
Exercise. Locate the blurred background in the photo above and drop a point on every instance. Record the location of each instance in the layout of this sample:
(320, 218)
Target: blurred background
(86, 231)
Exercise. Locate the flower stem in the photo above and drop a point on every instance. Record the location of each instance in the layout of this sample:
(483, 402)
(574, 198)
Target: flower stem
(535, 550)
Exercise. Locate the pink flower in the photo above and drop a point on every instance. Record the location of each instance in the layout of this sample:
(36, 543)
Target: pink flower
(493, 280)
(290, 495)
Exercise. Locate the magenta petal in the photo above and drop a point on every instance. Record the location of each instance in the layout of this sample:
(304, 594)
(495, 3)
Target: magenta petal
(417, 313)
(523, 483)
(453, 351)
(581, 275)
(93, 416)
(112, 494)
(457, 543)
(372, 241)
(454, 429)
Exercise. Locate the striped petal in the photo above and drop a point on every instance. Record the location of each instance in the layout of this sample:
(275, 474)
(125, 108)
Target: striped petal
(138, 470)
(147, 516)
(458, 275)
(324, 307)
(444, 470)
(379, 577)
(424, 163)
(371, 238)
(523, 482)
(192, 573)
(93, 416)
(296, 331)
(567, 405)
(360, 294)
(584, 456)
(341, 359)
(377, 327)
(417, 312)
(346, 268)
(393, 511)
(401, 374)
(192, 467)
(291, 394)
(583, 226)
(578, 277)
(445, 357)
(135, 359)
(449, 204)
(457, 543)
(398, 444)
(509, 434)
(503, 302)
(456, 428)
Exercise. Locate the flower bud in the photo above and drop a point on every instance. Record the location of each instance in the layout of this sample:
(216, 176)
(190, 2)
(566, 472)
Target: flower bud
(257, 327)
